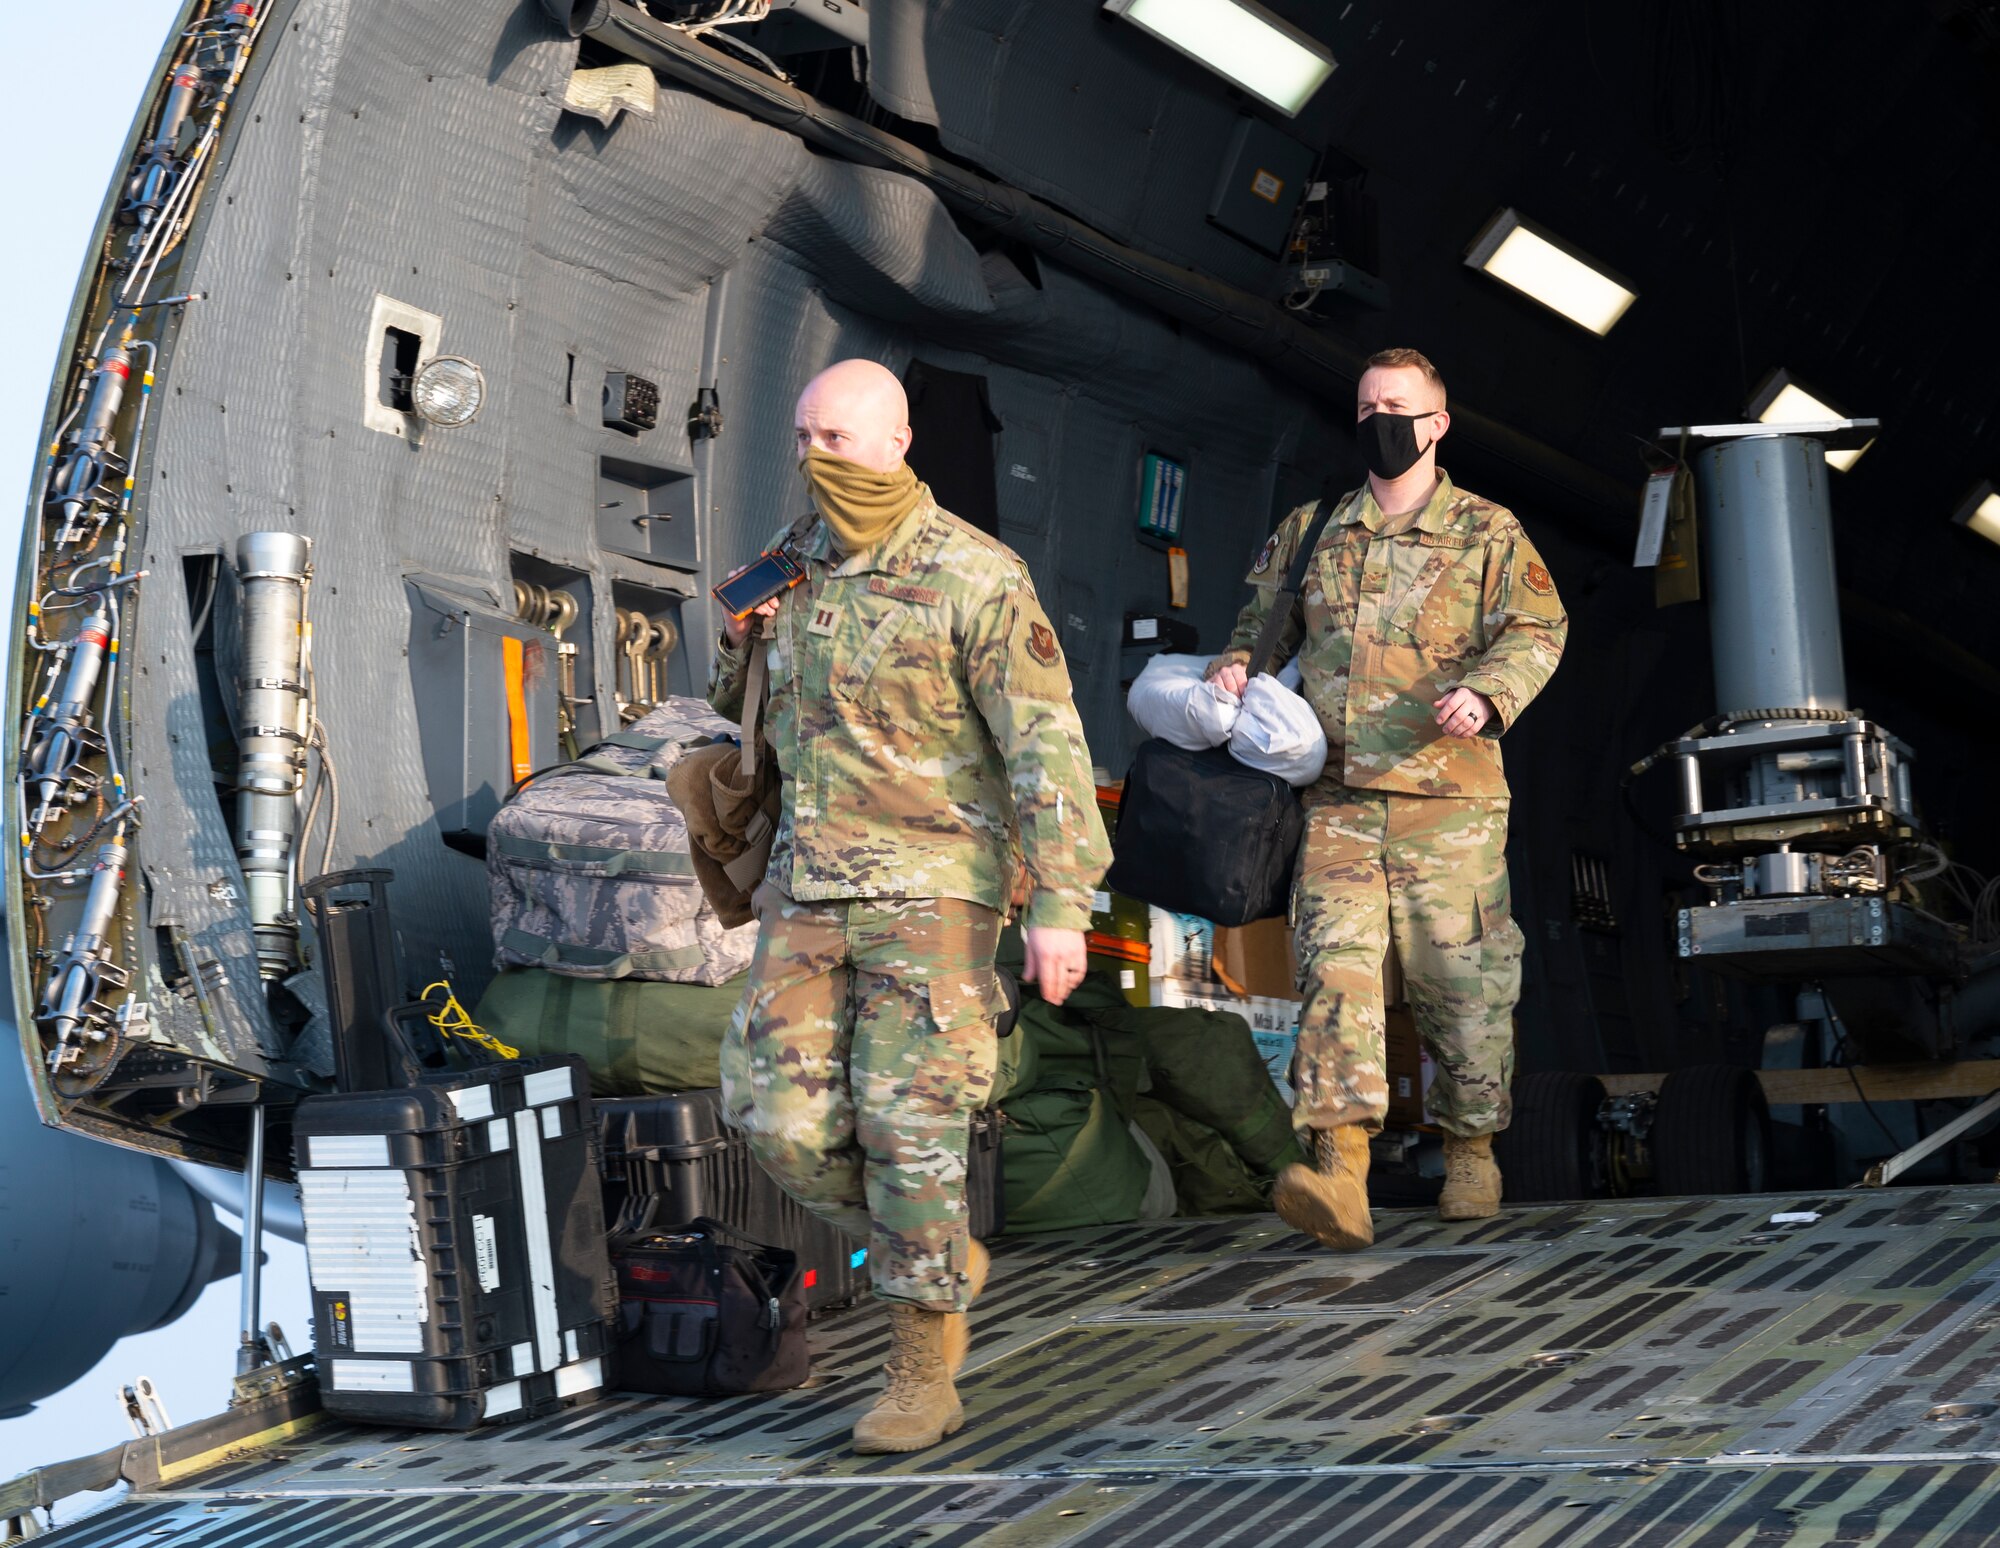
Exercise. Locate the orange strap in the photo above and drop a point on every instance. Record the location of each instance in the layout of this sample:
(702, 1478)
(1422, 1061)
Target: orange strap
(513, 657)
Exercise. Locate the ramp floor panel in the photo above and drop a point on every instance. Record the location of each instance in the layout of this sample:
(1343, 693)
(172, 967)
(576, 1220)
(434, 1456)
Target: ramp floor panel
(1670, 1372)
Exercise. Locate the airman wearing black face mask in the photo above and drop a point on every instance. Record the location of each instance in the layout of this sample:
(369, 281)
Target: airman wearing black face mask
(1425, 624)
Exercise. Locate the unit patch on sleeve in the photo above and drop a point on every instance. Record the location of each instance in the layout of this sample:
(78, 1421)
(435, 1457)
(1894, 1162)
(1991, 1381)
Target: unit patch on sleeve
(1042, 643)
(1265, 555)
(1537, 580)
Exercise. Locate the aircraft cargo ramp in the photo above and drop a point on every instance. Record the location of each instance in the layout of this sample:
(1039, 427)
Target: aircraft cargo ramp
(1646, 1372)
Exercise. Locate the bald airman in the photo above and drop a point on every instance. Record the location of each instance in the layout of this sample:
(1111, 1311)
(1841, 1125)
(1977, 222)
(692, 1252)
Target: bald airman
(921, 716)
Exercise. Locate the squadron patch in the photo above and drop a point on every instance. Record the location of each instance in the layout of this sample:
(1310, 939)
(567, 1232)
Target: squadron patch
(1042, 644)
(1265, 555)
(1537, 580)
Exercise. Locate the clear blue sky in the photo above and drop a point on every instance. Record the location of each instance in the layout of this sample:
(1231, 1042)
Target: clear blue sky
(80, 69)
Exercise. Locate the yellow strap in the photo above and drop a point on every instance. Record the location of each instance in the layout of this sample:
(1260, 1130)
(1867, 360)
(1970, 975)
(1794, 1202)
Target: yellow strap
(451, 1019)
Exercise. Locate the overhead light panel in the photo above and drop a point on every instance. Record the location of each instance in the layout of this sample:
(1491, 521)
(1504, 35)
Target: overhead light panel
(1782, 401)
(1240, 41)
(1981, 511)
(1525, 257)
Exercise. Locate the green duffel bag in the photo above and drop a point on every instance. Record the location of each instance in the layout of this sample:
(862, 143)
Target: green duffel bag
(1209, 1177)
(637, 1036)
(1068, 1153)
(1070, 1160)
(1205, 1065)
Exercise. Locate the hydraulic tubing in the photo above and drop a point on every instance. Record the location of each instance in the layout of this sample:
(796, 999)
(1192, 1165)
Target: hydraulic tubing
(1235, 318)
(272, 735)
(251, 1348)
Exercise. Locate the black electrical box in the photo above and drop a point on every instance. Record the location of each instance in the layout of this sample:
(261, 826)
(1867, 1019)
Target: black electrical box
(631, 402)
(1263, 178)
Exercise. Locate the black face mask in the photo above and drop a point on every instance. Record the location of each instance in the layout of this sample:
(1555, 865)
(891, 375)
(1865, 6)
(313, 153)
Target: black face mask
(1389, 443)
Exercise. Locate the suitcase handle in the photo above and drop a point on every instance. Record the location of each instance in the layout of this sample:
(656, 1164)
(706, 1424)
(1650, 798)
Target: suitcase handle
(443, 1055)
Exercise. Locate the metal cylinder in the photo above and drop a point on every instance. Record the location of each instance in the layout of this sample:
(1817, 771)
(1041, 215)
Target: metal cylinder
(250, 1348)
(83, 467)
(575, 17)
(1774, 613)
(1690, 786)
(57, 733)
(147, 189)
(1784, 874)
(271, 738)
(74, 979)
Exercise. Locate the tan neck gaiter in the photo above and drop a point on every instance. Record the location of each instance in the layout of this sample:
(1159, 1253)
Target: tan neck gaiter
(860, 506)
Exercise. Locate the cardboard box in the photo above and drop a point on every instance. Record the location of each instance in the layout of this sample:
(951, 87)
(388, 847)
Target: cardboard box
(1183, 948)
(1256, 959)
(1410, 1070)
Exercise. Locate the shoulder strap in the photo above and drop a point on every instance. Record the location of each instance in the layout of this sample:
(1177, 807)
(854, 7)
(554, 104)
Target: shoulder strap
(759, 683)
(1288, 594)
(752, 728)
(755, 688)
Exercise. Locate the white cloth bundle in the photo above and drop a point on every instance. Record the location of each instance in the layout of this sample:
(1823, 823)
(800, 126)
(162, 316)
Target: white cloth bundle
(1271, 728)
(1278, 732)
(1171, 701)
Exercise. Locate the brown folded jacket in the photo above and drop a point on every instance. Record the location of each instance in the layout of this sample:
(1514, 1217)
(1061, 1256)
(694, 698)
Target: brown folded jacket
(732, 819)
(730, 797)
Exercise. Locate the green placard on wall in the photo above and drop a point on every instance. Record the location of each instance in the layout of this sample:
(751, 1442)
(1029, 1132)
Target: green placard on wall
(1162, 482)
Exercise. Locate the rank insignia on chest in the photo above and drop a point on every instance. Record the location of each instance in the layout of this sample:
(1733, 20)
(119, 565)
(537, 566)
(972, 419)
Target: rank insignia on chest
(1537, 580)
(823, 619)
(1042, 643)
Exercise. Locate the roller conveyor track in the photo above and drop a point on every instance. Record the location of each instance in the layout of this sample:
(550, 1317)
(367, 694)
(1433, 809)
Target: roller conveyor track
(1654, 1372)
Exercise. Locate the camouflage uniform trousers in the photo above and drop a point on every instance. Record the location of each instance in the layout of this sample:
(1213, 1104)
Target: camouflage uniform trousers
(853, 1064)
(1429, 872)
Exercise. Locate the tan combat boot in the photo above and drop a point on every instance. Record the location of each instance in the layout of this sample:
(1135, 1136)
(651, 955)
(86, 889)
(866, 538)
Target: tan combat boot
(1329, 1199)
(1471, 1179)
(958, 1325)
(919, 1407)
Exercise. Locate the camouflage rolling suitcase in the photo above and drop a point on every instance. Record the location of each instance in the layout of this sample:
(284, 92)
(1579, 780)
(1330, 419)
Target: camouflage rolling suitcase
(589, 864)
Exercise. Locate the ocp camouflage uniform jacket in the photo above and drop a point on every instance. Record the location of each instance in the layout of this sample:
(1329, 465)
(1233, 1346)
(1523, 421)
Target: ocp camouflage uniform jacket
(921, 713)
(1386, 625)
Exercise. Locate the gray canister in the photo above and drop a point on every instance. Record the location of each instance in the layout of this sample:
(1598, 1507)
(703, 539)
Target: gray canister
(1774, 611)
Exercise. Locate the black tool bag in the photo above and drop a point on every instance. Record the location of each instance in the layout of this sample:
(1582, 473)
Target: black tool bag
(704, 1312)
(1202, 834)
